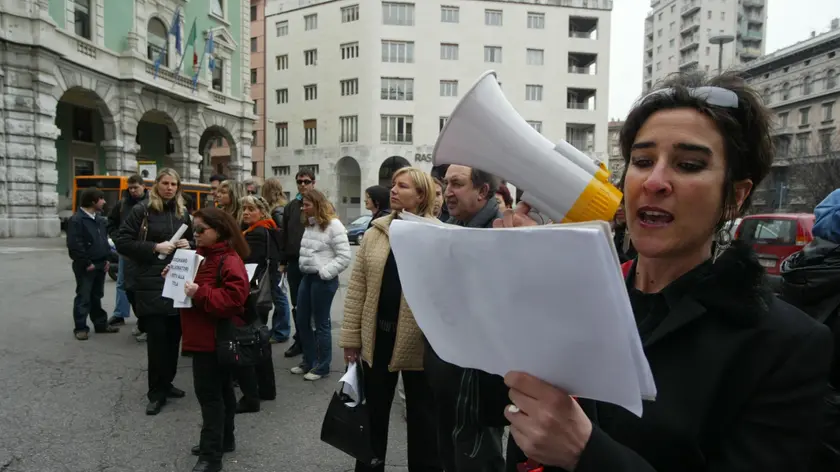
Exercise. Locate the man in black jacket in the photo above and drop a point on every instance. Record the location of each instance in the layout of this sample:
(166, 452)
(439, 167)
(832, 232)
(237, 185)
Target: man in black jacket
(291, 235)
(87, 244)
(124, 301)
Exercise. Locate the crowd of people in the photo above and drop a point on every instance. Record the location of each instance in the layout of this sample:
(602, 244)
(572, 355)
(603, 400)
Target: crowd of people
(742, 376)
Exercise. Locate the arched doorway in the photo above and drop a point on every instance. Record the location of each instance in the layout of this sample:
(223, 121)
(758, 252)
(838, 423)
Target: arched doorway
(218, 151)
(84, 122)
(388, 167)
(349, 176)
(158, 139)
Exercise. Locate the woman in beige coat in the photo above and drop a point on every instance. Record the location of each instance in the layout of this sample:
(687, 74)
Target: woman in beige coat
(379, 330)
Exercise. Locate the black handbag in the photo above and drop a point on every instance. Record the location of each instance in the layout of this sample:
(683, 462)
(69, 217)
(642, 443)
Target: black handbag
(260, 301)
(239, 346)
(347, 428)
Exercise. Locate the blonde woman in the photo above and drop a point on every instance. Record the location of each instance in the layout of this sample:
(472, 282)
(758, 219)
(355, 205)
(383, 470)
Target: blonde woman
(379, 329)
(272, 192)
(324, 254)
(143, 236)
(229, 199)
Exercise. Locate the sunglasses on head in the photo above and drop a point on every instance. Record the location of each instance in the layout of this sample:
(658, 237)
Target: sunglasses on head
(304, 182)
(715, 96)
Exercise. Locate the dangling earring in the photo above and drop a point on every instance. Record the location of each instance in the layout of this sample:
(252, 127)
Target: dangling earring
(723, 240)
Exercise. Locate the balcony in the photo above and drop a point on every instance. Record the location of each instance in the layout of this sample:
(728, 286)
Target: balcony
(752, 35)
(580, 99)
(584, 28)
(753, 3)
(689, 60)
(689, 26)
(649, 45)
(583, 63)
(748, 53)
(690, 7)
(754, 18)
(581, 136)
(648, 59)
(649, 29)
(689, 42)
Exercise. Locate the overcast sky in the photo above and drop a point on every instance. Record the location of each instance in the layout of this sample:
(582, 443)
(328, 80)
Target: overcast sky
(788, 21)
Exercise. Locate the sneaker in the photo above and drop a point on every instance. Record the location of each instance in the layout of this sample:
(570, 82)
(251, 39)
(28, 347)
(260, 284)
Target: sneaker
(116, 321)
(140, 338)
(312, 376)
(82, 335)
(135, 331)
(298, 370)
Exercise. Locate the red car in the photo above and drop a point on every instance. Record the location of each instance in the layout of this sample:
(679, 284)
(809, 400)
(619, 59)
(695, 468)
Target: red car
(774, 237)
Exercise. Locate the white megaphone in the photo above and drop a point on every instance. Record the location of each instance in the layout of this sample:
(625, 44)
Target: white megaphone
(485, 132)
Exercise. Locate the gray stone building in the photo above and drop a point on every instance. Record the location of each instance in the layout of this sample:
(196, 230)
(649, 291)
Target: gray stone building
(616, 161)
(80, 95)
(801, 83)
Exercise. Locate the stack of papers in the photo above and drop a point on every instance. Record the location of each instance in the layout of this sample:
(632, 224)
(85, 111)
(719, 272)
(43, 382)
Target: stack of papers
(547, 300)
(182, 269)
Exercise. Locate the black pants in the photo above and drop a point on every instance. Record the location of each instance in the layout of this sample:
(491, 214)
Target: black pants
(380, 385)
(129, 294)
(294, 276)
(214, 390)
(162, 343)
(90, 287)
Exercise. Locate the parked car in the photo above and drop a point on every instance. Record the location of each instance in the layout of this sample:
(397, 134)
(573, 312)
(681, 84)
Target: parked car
(356, 229)
(774, 237)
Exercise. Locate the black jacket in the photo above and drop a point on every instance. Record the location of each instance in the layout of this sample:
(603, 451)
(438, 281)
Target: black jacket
(143, 268)
(87, 239)
(740, 379)
(291, 231)
(265, 250)
(121, 210)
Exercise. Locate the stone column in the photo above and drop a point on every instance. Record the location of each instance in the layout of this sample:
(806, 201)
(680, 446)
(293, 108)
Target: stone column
(244, 148)
(120, 159)
(121, 152)
(191, 158)
(28, 174)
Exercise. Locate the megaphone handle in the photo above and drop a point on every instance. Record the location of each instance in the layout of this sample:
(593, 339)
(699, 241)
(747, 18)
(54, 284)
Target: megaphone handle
(541, 207)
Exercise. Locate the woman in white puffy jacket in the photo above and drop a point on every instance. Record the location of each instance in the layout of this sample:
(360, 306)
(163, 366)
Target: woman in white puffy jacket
(324, 253)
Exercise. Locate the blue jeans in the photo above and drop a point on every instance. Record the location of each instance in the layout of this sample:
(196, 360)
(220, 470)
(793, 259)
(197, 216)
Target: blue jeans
(280, 322)
(314, 301)
(122, 309)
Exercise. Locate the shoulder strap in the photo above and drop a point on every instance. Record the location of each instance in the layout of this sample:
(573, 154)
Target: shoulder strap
(625, 268)
(219, 272)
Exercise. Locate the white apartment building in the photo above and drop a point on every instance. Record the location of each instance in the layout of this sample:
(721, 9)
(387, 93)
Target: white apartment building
(356, 90)
(677, 36)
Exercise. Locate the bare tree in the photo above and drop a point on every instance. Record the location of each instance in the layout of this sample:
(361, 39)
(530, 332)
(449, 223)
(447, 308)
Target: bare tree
(816, 169)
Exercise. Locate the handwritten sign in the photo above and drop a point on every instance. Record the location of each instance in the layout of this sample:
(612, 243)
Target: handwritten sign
(182, 269)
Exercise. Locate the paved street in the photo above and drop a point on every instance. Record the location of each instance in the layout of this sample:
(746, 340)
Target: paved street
(77, 406)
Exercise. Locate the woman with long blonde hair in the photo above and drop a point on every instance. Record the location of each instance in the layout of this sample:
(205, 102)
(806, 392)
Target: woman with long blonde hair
(379, 329)
(229, 197)
(142, 238)
(324, 254)
(281, 329)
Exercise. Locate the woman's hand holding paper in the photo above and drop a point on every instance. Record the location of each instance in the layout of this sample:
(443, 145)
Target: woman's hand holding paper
(182, 244)
(190, 289)
(546, 422)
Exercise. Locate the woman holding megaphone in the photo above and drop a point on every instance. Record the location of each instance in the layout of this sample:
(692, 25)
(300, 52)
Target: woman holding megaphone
(740, 374)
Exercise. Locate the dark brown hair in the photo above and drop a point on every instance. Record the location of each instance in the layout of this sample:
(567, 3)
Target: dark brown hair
(324, 211)
(745, 130)
(227, 228)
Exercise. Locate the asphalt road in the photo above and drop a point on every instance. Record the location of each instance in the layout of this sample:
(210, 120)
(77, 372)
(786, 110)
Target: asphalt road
(74, 406)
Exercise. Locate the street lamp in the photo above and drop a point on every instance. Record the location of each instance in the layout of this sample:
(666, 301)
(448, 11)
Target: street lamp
(720, 40)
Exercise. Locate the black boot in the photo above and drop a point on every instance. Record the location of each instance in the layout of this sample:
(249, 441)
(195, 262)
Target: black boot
(228, 447)
(247, 405)
(293, 351)
(205, 466)
(154, 407)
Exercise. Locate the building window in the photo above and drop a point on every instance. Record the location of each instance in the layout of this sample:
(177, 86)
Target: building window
(256, 107)
(825, 142)
(828, 111)
(785, 91)
(802, 144)
(450, 14)
(219, 75)
(350, 13)
(537, 125)
(282, 28)
(830, 79)
(83, 124)
(803, 116)
(253, 44)
(282, 135)
(349, 126)
(254, 137)
(806, 85)
(310, 167)
(81, 18)
(397, 129)
(783, 120)
(253, 13)
(533, 93)
(442, 122)
(157, 42)
(535, 57)
(536, 20)
(310, 132)
(350, 50)
(349, 87)
(282, 95)
(493, 17)
(449, 52)
(492, 54)
(395, 88)
(253, 76)
(310, 57)
(398, 51)
(310, 22)
(281, 170)
(671, 43)
(400, 14)
(310, 92)
(218, 8)
(282, 62)
(448, 88)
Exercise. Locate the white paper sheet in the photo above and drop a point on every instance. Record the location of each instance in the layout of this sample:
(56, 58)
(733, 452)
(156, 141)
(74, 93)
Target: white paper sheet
(175, 238)
(564, 317)
(182, 269)
(251, 269)
(350, 385)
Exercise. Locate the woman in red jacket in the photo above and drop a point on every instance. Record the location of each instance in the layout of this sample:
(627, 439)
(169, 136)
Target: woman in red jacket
(220, 241)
